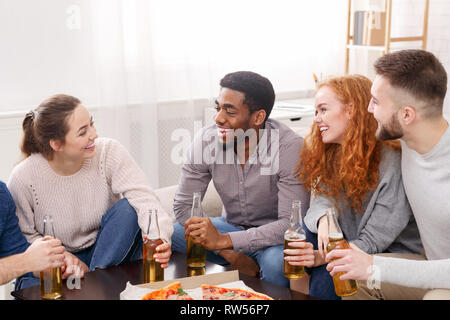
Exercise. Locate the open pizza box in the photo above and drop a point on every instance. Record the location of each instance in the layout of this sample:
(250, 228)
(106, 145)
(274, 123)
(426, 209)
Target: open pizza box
(192, 285)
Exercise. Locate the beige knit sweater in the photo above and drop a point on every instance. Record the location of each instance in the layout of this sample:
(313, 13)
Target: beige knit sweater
(78, 202)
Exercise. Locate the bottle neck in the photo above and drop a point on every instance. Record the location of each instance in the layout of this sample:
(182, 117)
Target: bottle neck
(48, 229)
(295, 220)
(196, 210)
(334, 230)
(153, 232)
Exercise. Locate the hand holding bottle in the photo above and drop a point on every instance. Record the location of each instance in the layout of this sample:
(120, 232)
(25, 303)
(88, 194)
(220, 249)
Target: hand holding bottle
(163, 253)
(292, 267)
(343, 286)
(353, 262)
(302, 255)
(205, 234)
(44, 253)
(153, 269)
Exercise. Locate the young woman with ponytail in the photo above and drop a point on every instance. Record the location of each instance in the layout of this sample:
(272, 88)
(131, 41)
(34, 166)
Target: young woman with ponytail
(99, 198)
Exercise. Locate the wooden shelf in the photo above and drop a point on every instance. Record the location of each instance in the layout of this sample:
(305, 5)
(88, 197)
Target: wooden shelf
(388, 39)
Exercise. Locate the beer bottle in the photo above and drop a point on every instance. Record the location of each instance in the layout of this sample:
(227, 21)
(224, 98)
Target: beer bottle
(152, 270)
(294, 233)
(50, 279)
(195, 254)
(336, 240)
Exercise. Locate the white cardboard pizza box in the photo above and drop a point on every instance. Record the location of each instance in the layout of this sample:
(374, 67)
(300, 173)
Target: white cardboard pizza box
(192, 285)
(196, 281)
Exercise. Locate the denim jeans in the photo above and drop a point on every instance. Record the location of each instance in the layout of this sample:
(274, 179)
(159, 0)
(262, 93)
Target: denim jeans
(320, 282)
(119, 240)
(270, 260)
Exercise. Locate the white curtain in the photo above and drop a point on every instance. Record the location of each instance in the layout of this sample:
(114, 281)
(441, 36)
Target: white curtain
(147, 67)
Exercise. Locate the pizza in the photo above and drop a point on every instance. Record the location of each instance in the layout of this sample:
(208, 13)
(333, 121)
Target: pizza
(174, 291)
(171, 292)
(219, 293)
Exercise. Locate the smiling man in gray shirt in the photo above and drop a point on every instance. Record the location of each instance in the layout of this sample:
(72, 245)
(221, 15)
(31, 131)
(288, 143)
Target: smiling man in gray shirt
(251, 160)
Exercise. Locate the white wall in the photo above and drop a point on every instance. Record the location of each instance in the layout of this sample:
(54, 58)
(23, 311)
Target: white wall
(10, 136)
(174, 61)
(407, 20)
(439, 39)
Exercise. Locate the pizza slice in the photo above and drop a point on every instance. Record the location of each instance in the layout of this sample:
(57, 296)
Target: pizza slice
(219, 293)
(171, 292)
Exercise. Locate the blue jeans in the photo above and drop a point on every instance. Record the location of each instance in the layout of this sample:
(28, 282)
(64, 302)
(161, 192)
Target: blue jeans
(270, 260)
(320, 282)
(119, 240)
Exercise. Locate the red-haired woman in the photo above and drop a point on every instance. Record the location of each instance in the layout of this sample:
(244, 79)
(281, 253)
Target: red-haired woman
(348, 169)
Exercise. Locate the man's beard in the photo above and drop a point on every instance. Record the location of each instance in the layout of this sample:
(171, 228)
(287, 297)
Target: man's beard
(391, 131)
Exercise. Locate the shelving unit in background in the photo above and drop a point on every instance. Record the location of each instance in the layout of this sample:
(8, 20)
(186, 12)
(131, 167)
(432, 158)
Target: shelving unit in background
(387, 38)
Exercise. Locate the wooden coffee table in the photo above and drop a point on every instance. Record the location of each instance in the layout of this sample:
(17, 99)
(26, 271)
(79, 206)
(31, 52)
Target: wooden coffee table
(107, 284)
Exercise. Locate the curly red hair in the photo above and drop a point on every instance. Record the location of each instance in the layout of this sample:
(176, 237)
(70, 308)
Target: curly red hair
(351, 168)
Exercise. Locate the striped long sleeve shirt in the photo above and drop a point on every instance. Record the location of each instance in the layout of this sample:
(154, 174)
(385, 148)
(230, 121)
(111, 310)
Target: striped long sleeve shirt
(256, 198)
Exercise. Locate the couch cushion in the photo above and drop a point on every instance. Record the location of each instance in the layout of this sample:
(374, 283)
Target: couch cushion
(211, 204)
